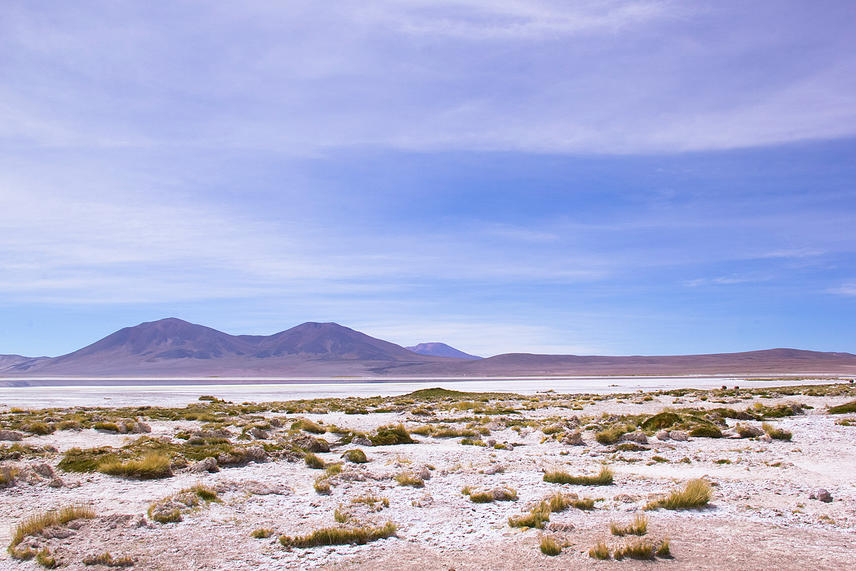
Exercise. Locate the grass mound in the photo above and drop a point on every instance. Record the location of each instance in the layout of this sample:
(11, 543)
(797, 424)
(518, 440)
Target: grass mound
(639, 526)
(151, 466)
(37, 523)
(393, 434)
(843, 408)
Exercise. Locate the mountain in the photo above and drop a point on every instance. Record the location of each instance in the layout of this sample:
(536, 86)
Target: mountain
(769, 361)
(7, 361)
(438, 349)
(174, 349)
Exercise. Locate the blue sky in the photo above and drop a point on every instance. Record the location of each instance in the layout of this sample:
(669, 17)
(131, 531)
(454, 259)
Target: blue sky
(604, 177)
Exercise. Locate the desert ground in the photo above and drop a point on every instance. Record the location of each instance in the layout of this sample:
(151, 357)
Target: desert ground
(438, 479)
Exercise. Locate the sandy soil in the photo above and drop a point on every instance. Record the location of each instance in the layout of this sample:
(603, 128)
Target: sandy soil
(760, 516)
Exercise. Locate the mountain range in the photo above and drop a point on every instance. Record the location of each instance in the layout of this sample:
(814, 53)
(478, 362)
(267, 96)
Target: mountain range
(172, 348)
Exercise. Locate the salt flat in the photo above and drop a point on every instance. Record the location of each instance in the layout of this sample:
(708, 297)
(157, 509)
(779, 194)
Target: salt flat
(761, 512)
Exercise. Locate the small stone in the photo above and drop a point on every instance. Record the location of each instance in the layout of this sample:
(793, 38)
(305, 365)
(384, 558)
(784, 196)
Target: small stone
(11, 435)
(822, 495)
(679, 435)
(43, 469)
(574, 438)
(560, 527)
(663, 435)
(205, 465)
(425, 473)
(503, 494)
(637, 437)
(765, 438)
(56, 483)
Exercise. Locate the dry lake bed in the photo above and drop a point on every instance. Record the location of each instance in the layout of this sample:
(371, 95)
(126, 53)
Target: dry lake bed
(726, 478)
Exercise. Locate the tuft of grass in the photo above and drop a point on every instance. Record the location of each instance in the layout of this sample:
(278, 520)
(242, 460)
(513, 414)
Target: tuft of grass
(641, 549)
(204, 492)
(46, 559)
(694, 495)
(610, 435)
(313, 461)
(162, 516)
(706, 431)
(356, 456)
(333, 469)
(7, 476)
(340, 536)
(599, 551)
(262, 533)
(639, 526)
(373, 502)
(843, 408)
(603, 478)
(340, 516)
(776, 433)
(106, 426)
(664, 550)
(39, 428)
(37, 523)
(322, 486)
(481, 497)
(393, 434)
(584, 504)
(536, 518)
(409, 479)
(308, 426)
(151, 466)
(660, 421)
(549, 546)
(108, 560)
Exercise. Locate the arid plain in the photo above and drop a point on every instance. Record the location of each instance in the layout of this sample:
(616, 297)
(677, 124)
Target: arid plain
(730, 478)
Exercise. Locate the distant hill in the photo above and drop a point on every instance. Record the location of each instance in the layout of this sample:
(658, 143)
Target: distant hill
(174, 349)
(438, 349)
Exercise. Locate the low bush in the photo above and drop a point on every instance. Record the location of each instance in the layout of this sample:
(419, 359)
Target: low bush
(151, 466)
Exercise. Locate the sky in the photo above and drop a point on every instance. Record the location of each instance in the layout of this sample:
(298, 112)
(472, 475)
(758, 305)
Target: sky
(591, 177)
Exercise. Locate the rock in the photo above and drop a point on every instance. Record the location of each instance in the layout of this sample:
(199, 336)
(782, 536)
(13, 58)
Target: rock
(265, 488)
(638, 437)
(765, 438)
(361, 441)
(258, 454)
(663, 435)
(311, 444)
(205, 465)
(11, 435)
(679, 435)
(258, 433)
(494, 469)
(560, 527)
(56, 483)
(749, 430)
(491, 442)
(43, 469)
(142, 428)
(624, 498)
(425, 473)
(822, 495)
(503, 494)
(574, 438)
